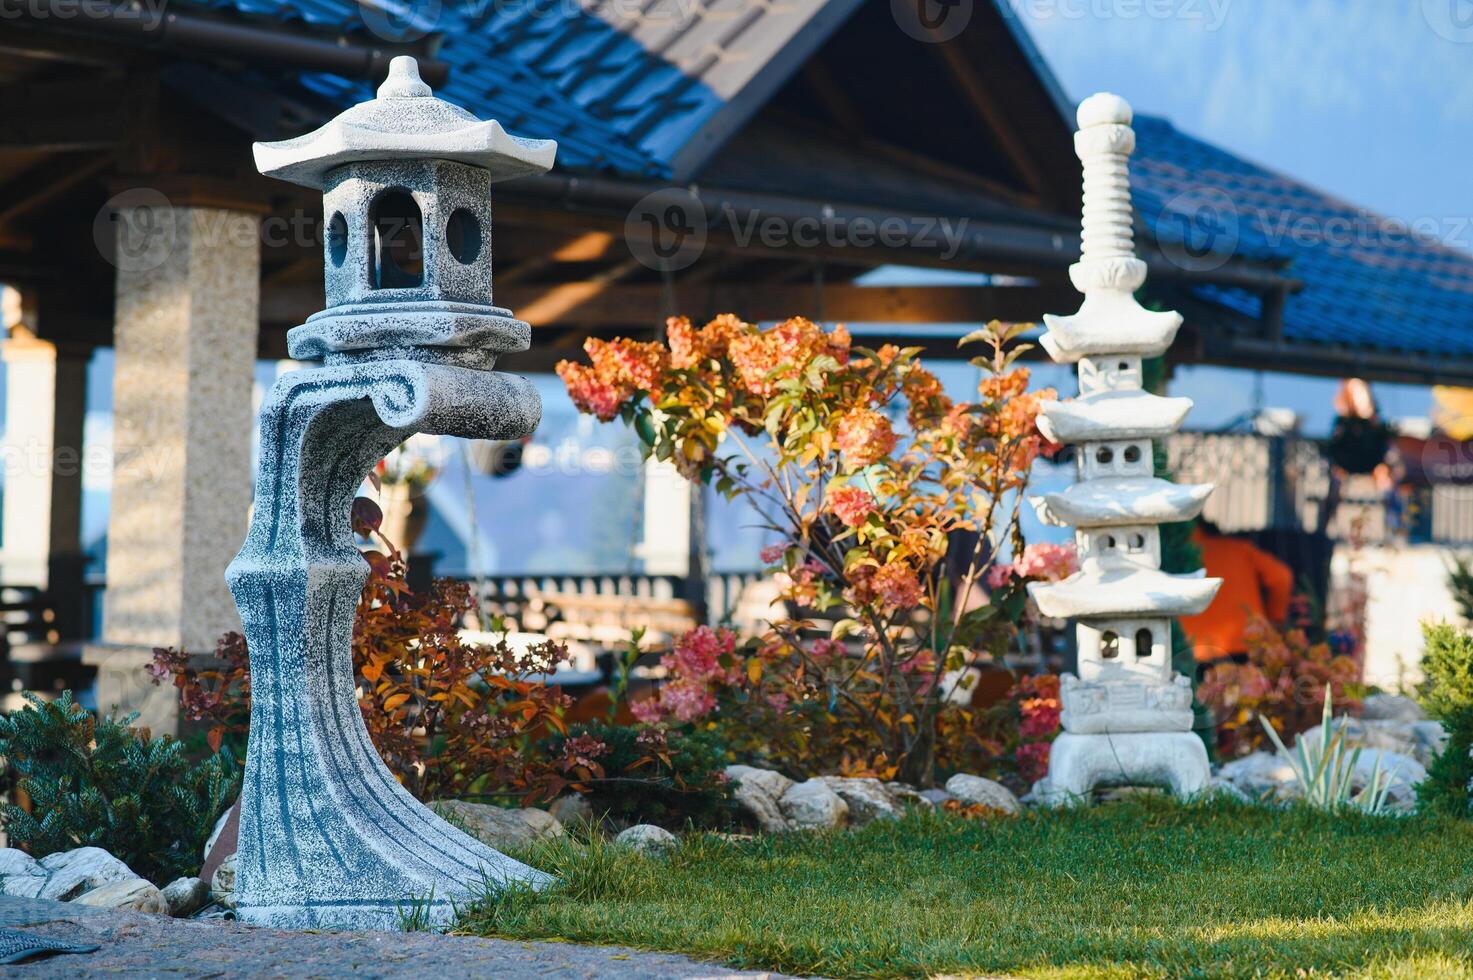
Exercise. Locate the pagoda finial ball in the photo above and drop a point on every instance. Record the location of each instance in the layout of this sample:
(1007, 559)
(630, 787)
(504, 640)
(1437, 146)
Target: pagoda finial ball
(403, 81)
(1102, 109)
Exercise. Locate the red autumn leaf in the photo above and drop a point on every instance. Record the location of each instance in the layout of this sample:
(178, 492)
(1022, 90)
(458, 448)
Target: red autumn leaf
(366, 515)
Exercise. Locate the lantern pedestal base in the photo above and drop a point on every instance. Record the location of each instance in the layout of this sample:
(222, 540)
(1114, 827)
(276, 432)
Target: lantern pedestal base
(1079, 763)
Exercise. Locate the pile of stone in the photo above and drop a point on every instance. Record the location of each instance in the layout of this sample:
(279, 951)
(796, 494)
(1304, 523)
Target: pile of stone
(92, 876)
(1394, 738)
(777, 804)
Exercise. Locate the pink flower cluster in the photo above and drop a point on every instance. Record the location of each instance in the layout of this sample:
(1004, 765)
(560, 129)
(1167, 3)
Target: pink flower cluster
(1039, 708)
(696, 671)
(801, 584)
(851, 504)
(1041, 562)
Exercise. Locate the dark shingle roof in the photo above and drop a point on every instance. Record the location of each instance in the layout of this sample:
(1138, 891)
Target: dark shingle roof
(622, 88)
(625, 95)
(1370, 282)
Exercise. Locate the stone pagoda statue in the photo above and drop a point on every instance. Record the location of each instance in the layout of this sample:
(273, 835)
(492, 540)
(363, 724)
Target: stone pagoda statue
(408, 343)
(1127, 717)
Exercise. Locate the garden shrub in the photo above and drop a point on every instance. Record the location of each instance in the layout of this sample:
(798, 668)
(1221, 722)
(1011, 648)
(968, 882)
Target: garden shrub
(450, 719)
(1447, 696)
(669, 777)
(104, 784)
(1284, 682)
(803, 426)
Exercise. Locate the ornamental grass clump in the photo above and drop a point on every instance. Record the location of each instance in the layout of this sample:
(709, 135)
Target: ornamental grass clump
(868, 476)
(1325, 771)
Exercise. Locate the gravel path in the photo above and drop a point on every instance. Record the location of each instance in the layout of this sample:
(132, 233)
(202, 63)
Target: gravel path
(134, 944)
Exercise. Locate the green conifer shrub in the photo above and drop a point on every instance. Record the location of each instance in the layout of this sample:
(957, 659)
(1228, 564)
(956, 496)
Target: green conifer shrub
(104, 784)
(1447, 696)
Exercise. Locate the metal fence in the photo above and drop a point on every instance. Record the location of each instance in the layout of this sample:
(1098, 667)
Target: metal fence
(1282, 482)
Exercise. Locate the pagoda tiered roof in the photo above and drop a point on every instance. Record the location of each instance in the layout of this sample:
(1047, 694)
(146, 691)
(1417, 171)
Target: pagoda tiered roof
(1108, 415)
(1121, 500)
(1109, 322)
(1124, 591)
(405, 122)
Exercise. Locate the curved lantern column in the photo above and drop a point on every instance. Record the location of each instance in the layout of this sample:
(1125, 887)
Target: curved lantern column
(328, 837)
(1127, 717)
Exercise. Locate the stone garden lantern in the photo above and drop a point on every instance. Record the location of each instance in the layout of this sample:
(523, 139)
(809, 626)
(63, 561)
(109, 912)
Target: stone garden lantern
(408, 343)
(1127, 717)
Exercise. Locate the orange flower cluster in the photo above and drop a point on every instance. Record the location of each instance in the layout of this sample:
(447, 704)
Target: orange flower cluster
(786, 417)
(618, 372)
(864, 437)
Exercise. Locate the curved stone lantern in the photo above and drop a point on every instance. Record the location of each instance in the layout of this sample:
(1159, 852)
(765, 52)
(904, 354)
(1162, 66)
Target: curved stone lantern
(1127, 717)
(407, 344)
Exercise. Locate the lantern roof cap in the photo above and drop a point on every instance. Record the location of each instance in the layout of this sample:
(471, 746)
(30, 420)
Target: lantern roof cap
(405, 122)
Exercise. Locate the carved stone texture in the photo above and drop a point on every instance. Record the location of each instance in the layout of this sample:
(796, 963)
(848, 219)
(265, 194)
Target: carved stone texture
(1127, 716)
(328, 837)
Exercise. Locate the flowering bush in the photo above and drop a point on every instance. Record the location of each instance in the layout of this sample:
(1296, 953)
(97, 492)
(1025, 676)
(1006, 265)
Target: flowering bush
(1284, 681)
(449, 718)
(802, 425)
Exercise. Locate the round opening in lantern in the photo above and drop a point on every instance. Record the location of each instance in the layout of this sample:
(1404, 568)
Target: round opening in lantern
(463, 236)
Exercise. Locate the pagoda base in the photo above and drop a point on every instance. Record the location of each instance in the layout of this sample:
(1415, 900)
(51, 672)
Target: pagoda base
(1078, 763)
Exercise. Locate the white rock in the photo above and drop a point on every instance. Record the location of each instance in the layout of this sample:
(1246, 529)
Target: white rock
(1261, 776)
(133, 894)
(20, 874)
(22, 886)
(1391, 707)
(905, 793)
(1421, 740)
(14, 861)
(812, 805)
(183, 896)
(81, 870)
(646, 838)
(868, 799)
(936, 797)
(978, 789)
(500, 827)
(573, 810)
(215, 834)
(1400, 773)
(758, 792)
(222, 885)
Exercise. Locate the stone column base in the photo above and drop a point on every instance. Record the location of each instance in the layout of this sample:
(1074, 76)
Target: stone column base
(1078, 763)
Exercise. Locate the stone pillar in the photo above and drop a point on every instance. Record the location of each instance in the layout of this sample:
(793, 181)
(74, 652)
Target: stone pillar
(45, 402)
(188, 291)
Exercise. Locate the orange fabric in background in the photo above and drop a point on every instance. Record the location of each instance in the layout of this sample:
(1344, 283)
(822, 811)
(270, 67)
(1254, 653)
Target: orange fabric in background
(1254, 583)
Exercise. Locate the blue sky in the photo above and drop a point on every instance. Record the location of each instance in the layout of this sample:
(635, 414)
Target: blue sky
(1370, 101)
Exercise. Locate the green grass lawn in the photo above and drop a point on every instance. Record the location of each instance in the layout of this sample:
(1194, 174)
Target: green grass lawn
(1139, 888)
